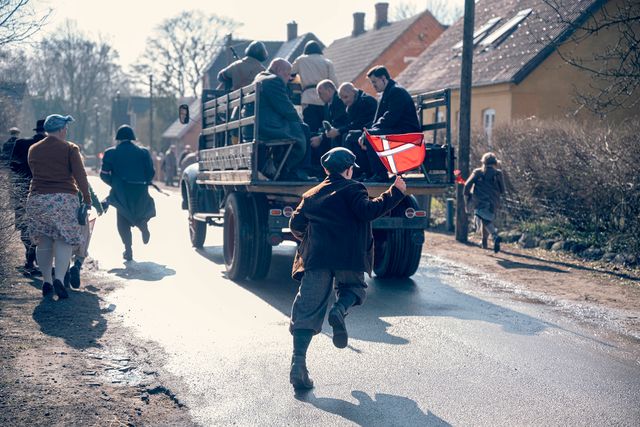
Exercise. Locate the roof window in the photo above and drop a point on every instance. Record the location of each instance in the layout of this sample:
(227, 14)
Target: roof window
(481, 32)
(499, 35)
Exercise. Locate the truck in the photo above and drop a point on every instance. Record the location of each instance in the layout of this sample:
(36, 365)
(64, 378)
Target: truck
(225, 188)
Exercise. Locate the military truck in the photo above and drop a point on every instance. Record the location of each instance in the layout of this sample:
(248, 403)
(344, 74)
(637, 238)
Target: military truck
(226, 189)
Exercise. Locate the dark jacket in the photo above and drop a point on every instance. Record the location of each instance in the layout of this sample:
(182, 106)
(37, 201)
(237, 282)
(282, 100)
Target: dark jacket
(485, 186)
(335, 113)
(360, 114)
(20, 156)
(333, 224)
(396, 112)
(277, 113)
(128, 169)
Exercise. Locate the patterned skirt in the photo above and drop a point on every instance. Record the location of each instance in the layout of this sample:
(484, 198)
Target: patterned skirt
(54, 216)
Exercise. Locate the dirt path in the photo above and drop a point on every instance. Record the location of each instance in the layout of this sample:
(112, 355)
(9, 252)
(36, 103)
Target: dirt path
(550, 277)
(71, 362)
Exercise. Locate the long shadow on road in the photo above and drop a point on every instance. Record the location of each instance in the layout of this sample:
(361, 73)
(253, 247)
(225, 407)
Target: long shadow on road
(386, 409)
(424, 295)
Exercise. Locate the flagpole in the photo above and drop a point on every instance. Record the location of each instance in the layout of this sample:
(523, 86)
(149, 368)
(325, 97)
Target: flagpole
(464, 132)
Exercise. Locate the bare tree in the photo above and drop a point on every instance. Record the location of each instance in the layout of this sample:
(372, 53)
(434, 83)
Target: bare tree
(444, 11)
(75, 75)
(180, 49)
(614, 67)
(19, 20)
(403, 10)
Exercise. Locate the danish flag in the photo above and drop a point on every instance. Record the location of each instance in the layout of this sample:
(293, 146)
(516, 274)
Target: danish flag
(399, 153)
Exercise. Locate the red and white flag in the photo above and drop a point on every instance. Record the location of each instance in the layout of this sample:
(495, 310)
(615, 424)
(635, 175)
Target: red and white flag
(399, 153)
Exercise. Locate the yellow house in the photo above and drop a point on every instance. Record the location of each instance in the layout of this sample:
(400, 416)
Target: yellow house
(519, 66)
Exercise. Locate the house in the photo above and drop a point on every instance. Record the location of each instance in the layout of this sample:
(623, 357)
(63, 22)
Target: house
(392, 44)
(188, 134)
(518, 68)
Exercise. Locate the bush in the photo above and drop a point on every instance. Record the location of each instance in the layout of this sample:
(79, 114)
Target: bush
(583, 177)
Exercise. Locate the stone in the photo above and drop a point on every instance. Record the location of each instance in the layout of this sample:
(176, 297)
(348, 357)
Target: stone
(528, 241)
(510, 236)
(546, 243)
(593, 253)
(578, 247)
(558, 246)
(620, 259)
(608, 256)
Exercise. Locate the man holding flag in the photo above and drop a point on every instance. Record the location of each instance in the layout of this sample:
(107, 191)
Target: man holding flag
(396, 114)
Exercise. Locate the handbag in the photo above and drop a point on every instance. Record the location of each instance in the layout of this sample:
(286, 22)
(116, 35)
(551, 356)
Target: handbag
(82, 214)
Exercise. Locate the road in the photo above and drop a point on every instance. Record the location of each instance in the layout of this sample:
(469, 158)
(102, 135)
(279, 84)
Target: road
(437, 349)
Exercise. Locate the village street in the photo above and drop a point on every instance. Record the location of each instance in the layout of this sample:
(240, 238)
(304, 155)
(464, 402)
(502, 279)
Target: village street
(437, 349)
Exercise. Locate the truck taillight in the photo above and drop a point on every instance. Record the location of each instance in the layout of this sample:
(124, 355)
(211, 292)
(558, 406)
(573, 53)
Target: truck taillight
(412, 213)
(275, 212)
(421, 214)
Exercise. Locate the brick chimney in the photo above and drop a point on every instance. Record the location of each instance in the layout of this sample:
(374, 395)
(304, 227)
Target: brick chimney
(292, 31)
(358, 24)
(382, 13)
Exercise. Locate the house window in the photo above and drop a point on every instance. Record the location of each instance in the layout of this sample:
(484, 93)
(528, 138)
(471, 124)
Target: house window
(488, 120)
(495, 38)
(480, 33)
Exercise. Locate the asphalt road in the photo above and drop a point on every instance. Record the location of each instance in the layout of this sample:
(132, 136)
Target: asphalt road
(438, 349)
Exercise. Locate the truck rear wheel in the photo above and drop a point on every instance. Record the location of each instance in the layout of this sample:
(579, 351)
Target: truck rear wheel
(238, 247)
(261, 260)
(397, 252)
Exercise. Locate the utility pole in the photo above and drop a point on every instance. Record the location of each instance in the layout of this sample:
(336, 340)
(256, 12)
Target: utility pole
(464, 132)
(150, 111)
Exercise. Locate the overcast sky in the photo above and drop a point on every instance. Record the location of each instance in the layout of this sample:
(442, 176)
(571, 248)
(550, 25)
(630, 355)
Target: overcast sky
(126, 24)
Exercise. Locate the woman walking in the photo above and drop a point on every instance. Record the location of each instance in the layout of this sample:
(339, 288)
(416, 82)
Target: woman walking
(53, 205)
(484, 187)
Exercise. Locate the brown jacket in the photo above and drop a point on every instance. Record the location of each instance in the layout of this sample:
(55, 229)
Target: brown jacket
(57, 167)
(333, 224)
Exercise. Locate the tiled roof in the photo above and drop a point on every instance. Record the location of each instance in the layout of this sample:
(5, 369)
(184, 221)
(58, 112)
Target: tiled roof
(354, 54)
(511, 60)
(177, 130)
(291, 49)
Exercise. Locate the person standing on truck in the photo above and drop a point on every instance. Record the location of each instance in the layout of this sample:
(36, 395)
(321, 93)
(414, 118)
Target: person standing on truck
(333, 225)
(396, 114)
(483, 190)
(361, 109)
(312, 67)
(279, 120)
(242, 72)
(128, 169)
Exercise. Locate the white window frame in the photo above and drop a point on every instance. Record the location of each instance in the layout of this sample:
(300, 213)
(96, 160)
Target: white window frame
(488, 122)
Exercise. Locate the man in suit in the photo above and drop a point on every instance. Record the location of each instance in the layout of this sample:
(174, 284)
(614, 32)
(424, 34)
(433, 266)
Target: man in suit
(333, 225)
(396, 114)
(361, 109)
(278, 119)
(128, 169)
(335, 114)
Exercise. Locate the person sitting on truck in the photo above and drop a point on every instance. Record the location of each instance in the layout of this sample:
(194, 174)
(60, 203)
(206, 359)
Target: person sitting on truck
(333, 225)
(335, 116)
(361, 109)
(242, 72)
(279, 120)
(396, 114)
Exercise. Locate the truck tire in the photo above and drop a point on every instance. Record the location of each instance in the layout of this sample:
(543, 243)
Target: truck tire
(261, 260)
(398, 252)
(238, 247)
(197, 229)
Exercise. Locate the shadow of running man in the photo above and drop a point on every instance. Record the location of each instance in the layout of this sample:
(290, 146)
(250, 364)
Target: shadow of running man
(148, 271)
(78, 320)
(385, 410)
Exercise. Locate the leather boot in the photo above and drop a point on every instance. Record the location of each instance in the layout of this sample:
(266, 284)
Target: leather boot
(336, 320)
(299, 375)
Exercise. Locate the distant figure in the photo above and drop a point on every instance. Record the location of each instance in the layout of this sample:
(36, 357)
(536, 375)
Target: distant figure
(52, 205)
(361, 109)
(280, 120)
(333, 225)
(7, 147)
(21, 182)
(128, 169)
(483, 190)
(242, 72)
(313, 67)
(170, 165)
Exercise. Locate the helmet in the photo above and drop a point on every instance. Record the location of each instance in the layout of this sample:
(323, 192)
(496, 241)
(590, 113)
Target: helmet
(125, 133)
(257, 50)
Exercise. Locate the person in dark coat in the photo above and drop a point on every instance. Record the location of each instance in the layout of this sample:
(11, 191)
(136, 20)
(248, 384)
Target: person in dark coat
(21, 174)
(7, 147)
(279, 119)
(396, 114)
(170, 166)
(333, 225)
(335, 114)
(128, 169)
(483, 190)
(361, 110)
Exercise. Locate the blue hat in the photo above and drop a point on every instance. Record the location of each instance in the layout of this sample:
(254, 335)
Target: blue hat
(55, 122)
(338, 159)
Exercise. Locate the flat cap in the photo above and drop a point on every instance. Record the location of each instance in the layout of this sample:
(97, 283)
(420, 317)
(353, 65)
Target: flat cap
(338, 159)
